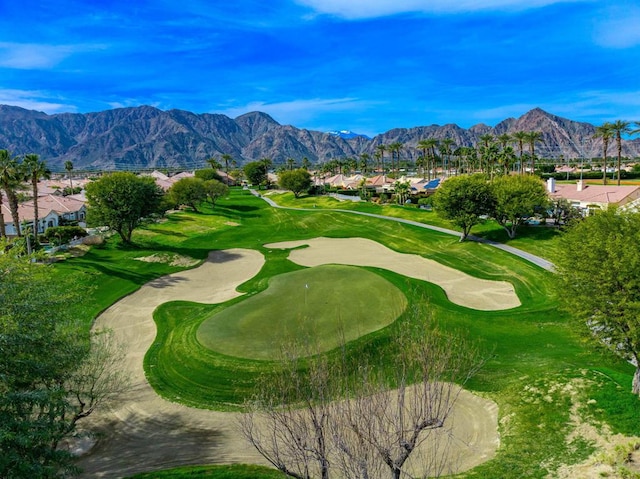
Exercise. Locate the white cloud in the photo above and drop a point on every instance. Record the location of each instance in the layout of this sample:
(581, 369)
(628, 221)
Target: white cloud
(620, 30)
(355, 9)
(33, 100)
(298, 112)
(34, 56)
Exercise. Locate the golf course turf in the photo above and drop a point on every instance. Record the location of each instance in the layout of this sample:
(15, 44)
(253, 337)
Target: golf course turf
(327, 304)
(533, 354)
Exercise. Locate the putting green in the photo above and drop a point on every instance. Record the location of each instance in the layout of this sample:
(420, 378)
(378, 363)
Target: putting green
(320, 306)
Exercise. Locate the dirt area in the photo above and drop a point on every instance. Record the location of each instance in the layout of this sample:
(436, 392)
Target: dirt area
(170, 258)
(460, 288)
(616, 456)
(145, 432)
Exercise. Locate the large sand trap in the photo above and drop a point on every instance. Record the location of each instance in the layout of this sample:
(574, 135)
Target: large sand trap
(460, 288)
(145, 432)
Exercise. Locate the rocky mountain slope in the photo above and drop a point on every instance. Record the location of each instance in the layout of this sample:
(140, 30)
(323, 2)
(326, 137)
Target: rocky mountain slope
(145, 137)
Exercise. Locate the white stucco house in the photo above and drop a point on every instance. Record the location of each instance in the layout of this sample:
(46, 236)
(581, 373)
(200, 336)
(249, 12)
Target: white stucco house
(52, 210)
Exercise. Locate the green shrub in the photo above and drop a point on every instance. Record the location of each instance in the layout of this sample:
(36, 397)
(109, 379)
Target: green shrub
(63, 234)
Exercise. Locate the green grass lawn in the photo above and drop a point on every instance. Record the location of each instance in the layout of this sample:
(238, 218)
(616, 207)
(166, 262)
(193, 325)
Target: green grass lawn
(317, 308)
(531, 350)
(528, 238)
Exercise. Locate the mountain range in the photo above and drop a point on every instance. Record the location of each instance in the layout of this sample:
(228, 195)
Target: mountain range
(146, 137)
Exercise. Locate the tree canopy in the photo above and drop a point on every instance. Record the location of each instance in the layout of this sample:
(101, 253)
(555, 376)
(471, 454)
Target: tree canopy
(463, 200)
(598, 274)
(297, 181)
(516, 199)
(188, 191)
(49, 376)
(207, 174)
(121, 200)
(256, 172)
(215, 189)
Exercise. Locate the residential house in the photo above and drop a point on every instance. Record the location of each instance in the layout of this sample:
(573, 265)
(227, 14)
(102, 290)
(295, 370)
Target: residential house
(52, 210)
(589, 198)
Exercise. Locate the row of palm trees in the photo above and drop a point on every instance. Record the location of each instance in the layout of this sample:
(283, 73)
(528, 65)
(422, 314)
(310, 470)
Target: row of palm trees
(490, 153)
(15, 174)
(614, 130)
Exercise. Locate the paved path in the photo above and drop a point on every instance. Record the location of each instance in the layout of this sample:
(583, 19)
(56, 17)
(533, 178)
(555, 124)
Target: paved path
(537, 260)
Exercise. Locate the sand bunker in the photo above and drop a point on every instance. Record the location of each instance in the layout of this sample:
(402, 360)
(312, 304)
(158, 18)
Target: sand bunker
(460, 288)
(146, 432)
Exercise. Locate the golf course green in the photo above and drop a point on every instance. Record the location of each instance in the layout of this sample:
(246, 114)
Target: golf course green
(317, 307)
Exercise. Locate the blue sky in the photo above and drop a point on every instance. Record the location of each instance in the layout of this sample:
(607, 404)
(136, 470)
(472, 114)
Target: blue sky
(364, 65)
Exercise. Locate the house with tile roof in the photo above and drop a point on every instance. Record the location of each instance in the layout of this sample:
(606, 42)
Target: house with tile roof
(595, 197)
(52, 210)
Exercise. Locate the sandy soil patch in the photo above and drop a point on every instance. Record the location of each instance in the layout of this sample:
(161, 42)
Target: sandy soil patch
(460, 288)
(145, 432)
(231, 223)
(172, 259)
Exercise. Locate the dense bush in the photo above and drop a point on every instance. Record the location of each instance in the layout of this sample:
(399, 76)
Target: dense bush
(207, 174)
(63, 234)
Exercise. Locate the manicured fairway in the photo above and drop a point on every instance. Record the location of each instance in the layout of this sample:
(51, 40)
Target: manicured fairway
(549, 386)
(326, 305)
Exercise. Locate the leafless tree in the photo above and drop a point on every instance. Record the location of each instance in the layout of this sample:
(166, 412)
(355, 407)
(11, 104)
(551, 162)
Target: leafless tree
(365, 421)
(97, 382)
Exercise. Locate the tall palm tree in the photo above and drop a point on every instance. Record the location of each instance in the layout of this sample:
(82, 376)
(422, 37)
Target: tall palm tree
(619, 127)
(520, 137)
(381, 149)
(395, 149)
(227, 158)
(433, 145)
(364, 162)
(533, 137)
(506, 158)
(504, 140)
(11, 176)
(445, 148)
(424, 146)
(213, 163)
(605, 132)
(290, 163)
(35, 169)
(68, 165)
(486, 140)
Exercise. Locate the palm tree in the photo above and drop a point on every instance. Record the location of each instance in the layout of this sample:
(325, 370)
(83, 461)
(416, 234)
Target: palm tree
(424, 145)
(506, 158)
(504, 140)
(532, 138)
(606, 133)
(214, 163)
(381, 148)
(486, 140)
(68, 165)
(290, 163)
(227, 158)
(445, 149)
(520, 137)
(11, 176)
(395, 149)
(306, 163)
(431, 144)
(619, 127)
(364, 162)
(35, 170)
